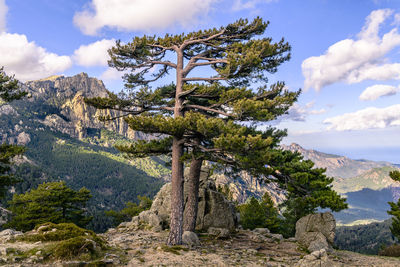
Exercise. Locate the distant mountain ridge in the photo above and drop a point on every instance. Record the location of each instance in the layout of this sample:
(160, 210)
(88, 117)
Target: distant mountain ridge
(337, 166)
(366, 184)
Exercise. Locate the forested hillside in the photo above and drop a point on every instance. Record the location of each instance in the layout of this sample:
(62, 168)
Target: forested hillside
(368, 238)
(75, 149)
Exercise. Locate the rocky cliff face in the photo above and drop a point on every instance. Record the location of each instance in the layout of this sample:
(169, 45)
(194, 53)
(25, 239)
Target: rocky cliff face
(247, 186)
(74, 117)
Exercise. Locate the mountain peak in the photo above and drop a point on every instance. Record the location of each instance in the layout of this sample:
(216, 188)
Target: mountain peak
(52, 78)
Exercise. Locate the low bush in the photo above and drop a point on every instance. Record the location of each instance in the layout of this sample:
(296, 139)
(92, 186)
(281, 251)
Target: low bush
(391, 251)
(58, 232)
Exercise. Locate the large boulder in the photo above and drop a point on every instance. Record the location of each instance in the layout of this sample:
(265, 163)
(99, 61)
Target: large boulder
(316, 231)
(214, 210)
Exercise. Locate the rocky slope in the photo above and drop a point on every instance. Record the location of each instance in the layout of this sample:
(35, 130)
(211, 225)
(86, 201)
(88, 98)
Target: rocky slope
(147, 248)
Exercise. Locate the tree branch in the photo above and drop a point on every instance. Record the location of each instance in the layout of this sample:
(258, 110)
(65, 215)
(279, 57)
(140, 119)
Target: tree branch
(208, 110)
(189, 42)
(210, 62)
(204, 79)
(185, 93)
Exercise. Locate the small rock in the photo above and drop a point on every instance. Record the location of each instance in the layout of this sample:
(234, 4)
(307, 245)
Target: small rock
(252, 251)
(218, 232)
(262, 231)
(190, 239)
(276, 236)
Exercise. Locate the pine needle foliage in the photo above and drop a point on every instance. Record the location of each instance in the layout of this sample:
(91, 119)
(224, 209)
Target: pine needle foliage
(50, 202)
(9, 88)
(395, 209)
(9, 91)
(212, 117)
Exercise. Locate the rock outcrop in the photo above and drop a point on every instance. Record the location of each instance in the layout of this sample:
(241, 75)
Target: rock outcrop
(70, 114)
(248, 186)
(317, 258)
(214, 210)
(316, 231)
(4, 215)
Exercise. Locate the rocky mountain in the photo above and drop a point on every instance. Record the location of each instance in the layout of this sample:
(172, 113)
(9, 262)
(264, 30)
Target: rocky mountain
(336, 166)
(70, 113)
(366, 185)
(375, 179)
(65, 141)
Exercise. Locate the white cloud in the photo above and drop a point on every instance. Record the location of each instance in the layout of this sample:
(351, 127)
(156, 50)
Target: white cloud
(94, 54)
(111, 74)
(299, 113)
(249, 4)
(27, 60)
(354, 61)
(368, 118)
(131, 15)
(378, 90)
(3, 14)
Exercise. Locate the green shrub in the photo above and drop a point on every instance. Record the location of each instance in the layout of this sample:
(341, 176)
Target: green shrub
(391, 251)
(131, 209)
(58, 232)
(77, 247)
(68, 241)
(259, 214)
(50, 202)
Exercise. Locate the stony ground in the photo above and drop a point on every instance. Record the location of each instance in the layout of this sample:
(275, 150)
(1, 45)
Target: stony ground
(245, 248)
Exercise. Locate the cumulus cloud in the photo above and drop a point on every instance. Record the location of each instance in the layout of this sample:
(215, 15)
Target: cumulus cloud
(357, 60)
(3, 14)
(368, 118)
(27, 60)
(131, 15)
(111, 74)
(94, 54)
(378, 90)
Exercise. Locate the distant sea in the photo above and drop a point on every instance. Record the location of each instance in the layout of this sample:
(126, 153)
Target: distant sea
(390, 154)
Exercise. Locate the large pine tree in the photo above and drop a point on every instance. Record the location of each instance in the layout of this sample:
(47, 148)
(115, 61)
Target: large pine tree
(204, 117)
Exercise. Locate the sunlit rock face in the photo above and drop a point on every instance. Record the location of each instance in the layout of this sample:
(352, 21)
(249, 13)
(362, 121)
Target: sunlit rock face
(69, 113)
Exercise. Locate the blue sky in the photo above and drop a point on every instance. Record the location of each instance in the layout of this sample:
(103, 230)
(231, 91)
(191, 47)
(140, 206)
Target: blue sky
(345, 56)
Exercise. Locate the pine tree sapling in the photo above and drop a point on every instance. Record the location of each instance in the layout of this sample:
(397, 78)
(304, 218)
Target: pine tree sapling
(395, 212)
(50, 202)
(201, 118)
(259, 214)
(252, 214)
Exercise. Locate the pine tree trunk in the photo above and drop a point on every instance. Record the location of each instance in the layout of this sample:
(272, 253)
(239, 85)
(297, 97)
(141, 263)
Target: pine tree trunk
(190, 214)
(177, 201)
(176, 224)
